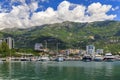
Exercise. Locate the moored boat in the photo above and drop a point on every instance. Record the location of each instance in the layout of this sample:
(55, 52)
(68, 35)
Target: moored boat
(117, 57)
(87, 58)
(24, 59)
(109, 57)
(98, 58)
(44, 58)
(60, 58)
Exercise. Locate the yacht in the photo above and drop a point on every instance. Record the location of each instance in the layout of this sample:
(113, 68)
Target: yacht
(60, 58)
(98, 58)
(117, 57)
(45, 58)
(109, 57)
(1, 60)
(87, 58)
(24, 59)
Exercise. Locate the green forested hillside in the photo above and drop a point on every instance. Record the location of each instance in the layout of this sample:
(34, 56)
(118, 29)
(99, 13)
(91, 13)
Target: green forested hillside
(104, 34)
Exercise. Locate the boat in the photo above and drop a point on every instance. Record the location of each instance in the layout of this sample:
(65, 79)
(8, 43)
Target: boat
(33, 59)
(109, 57)
(24, 59)
(87, 58)
(117, 57)
(1, 60)
(98, 58)
(44, 58)
(59, 58)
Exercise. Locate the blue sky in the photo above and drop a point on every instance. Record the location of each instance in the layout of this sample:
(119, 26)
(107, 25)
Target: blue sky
(29, 13)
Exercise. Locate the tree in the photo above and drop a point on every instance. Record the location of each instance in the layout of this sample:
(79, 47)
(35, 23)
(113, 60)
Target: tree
(4, 49)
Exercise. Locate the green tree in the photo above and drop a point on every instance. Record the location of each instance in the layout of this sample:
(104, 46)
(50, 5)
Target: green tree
(4, 49)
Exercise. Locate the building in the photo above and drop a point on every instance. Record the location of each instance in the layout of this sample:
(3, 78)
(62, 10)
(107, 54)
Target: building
(90, 49)
(38, 47)
(1, 41)
(10, 42)
(99, 51)
(72, 51)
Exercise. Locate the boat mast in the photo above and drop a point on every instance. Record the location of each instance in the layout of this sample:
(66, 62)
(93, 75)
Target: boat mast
(57, 45)
(45, 44)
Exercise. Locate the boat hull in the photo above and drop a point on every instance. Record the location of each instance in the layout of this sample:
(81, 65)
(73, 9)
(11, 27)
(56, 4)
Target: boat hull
(98, 60)
(60, 59)
(85, 59)
(109, 59)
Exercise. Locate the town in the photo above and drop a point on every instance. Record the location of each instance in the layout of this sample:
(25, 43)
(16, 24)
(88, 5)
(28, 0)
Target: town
(42, 53)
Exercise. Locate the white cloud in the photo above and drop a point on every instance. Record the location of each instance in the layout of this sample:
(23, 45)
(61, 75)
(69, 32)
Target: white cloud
(98, 12)
(20, 15)
(116, 8)
(33, 6)
(65, 14)
(47, 17)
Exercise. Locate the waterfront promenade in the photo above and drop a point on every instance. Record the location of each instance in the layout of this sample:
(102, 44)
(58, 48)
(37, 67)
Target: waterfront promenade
(53, 58)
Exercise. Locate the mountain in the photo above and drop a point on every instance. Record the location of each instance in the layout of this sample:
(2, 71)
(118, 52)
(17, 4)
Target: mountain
(67, 34)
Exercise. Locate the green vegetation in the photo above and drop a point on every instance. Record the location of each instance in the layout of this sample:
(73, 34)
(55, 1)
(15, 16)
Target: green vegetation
(103, 34)
(4, 49)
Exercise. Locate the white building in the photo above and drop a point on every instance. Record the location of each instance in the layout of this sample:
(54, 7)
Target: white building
(67, 52)
(90, 49)
(38, 47)
(10, 42)
(99, 51)
(1, 41)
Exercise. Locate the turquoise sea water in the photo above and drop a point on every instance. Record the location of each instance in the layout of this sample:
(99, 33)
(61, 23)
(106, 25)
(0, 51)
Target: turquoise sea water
(71, 70)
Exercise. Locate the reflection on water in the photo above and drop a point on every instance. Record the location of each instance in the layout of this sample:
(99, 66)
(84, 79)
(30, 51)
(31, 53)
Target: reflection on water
(108, 69)
(71, 70)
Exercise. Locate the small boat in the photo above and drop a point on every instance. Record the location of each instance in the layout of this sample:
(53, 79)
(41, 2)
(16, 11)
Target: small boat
(45, 58)
(98, 58)
(109, 57)
(87, 58)
(59, 58)
(117, 57)
(1, 60)
(24, 59)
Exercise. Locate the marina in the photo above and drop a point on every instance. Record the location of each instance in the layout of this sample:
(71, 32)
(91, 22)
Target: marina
(98, 58)
(59, 40)
(60, 58)
(87, 58)
(109, 57)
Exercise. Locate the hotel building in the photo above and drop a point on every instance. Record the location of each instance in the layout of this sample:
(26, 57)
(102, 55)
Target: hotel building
(90, 49)
(10, 42)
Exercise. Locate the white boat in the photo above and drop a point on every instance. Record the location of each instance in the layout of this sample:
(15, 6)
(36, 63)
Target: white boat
(117, 57)
(87, 58)
(98, 58)
(60, 58)
(45, 58)
(1, 60)
(24, 59)
(109, 57)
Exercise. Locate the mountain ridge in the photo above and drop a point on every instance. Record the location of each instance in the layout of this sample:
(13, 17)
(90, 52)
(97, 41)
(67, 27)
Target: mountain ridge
(69, 34)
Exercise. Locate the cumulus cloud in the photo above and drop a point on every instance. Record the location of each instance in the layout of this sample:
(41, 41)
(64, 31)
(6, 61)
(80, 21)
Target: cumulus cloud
(116, 8)
(98, 12)
(20, 16)
(33, 6)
